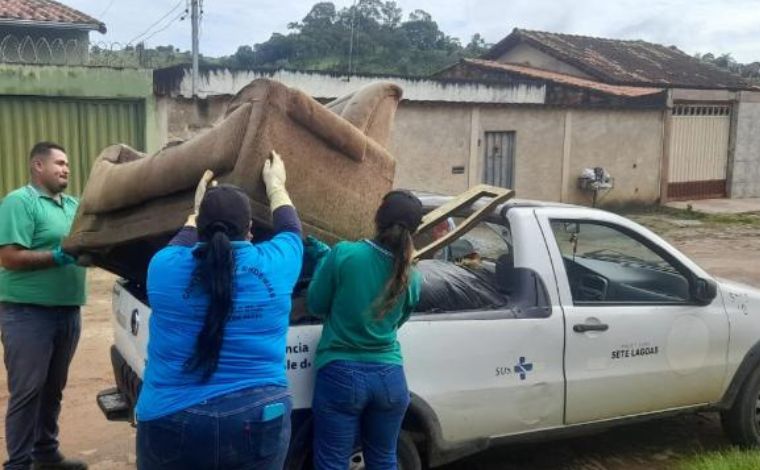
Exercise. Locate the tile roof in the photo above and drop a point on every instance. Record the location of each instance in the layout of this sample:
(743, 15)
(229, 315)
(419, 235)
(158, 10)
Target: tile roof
(46, 12)
(564, 79)
(623, 62)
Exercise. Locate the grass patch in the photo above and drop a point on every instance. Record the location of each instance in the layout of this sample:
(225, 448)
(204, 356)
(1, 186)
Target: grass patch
(731, 459)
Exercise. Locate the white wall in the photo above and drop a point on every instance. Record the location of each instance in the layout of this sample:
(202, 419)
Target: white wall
(329, 86)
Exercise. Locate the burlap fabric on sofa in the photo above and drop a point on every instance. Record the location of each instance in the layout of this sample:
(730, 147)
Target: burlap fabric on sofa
(338, 170)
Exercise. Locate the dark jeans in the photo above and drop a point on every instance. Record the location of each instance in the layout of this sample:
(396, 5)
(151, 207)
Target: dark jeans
(39, 343)
(358, 399)
(226, 432)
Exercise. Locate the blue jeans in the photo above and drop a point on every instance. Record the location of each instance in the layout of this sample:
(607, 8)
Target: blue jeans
(358, 399)
(226, 432)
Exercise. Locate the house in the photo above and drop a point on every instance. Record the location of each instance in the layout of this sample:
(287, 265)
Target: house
(44, 32)
(528, 132)
(709, 133)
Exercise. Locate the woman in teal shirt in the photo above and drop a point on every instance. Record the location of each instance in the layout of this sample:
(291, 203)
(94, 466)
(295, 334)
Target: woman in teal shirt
(365, 291)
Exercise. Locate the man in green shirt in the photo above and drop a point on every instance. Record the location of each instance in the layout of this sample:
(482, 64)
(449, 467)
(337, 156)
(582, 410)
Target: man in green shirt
(41, 292)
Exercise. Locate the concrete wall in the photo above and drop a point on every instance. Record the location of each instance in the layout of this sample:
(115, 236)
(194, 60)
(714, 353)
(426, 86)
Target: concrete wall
(539, 139)
(177, 82)
(745, 180)
(684, 94)
(527, 55)
(553, 146)
(181, 118)
(428, 140)
(628, 144)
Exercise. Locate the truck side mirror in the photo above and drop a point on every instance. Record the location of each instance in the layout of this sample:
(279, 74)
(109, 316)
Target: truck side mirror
(704, 291)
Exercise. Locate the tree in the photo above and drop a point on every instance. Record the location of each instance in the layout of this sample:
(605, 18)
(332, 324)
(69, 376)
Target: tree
(244, 57)
(727, 62)
(390, 15)
(421, 31)
(374, 31)
(321, 17)
(477, 46)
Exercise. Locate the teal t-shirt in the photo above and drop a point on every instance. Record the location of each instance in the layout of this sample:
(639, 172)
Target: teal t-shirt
(35, 221)
(344, 291)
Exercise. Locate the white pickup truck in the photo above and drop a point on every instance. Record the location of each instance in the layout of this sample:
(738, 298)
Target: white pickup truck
(566, 320)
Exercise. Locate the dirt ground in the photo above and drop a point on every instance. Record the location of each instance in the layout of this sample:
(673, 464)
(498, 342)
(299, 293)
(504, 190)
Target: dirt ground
(725, 250)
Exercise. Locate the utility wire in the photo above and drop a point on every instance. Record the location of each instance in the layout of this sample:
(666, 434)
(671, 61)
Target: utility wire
(180, 17)
(105, 10)
(156, 22)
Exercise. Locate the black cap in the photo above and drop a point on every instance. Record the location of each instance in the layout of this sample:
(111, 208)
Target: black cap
(399, 207)
(227, 208)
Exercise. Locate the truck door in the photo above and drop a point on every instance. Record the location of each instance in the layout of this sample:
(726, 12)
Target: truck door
(636, 340)
(488, 367)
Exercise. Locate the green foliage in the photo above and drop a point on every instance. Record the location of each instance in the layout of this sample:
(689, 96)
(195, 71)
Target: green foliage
(382, 42)
(749, 71)
(139, 56)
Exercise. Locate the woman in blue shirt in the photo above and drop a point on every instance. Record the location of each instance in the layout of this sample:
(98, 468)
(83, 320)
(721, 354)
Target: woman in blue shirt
(215, 392)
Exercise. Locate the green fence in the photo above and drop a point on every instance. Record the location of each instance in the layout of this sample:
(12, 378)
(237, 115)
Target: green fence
(83, 126)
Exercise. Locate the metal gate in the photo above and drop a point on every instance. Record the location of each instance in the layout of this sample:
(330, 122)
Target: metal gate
(83, 127)
(698, 151)
(499, 161)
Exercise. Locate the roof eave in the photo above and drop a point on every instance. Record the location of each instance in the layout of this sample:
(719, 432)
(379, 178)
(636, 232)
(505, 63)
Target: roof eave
(100, 27)
(653, 90)
(681, 86)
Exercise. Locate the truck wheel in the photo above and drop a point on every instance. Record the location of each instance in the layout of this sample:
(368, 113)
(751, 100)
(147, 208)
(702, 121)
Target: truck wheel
(741, 422)
(407, 454)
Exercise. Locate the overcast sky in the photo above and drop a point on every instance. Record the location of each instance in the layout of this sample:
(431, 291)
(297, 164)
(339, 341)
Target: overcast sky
(716, 26)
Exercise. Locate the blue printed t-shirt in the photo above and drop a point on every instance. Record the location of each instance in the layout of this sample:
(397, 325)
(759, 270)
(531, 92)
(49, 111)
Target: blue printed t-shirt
(253, 350)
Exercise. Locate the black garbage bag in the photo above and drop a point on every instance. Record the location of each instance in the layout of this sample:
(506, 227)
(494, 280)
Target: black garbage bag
(450, 287)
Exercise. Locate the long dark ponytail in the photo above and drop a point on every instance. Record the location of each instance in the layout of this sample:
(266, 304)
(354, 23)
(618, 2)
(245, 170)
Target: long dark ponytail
(398, 239)
(216, 272)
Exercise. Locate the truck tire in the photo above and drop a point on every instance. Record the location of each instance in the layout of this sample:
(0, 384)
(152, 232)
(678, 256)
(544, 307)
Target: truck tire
(741, 422)
(406, 452)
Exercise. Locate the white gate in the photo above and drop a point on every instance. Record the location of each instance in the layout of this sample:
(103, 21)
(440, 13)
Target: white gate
(698, 151)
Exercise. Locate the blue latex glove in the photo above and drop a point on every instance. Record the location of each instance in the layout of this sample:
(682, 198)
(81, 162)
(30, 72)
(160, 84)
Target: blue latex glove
(315, 249)
(61, 258)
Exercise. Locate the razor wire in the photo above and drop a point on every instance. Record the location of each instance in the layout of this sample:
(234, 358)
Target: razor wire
(70, 51)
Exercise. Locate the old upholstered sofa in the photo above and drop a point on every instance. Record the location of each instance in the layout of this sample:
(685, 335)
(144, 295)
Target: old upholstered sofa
(335, 154)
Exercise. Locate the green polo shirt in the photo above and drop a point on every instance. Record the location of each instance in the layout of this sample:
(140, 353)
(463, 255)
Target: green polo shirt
(35, 221)
(344, 291)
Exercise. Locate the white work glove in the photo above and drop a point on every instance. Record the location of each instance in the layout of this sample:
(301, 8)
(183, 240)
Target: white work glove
(273, 175)
(200, 191)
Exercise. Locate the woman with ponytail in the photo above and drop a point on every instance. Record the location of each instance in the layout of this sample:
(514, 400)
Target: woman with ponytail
(215, 394)
(365, 291)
